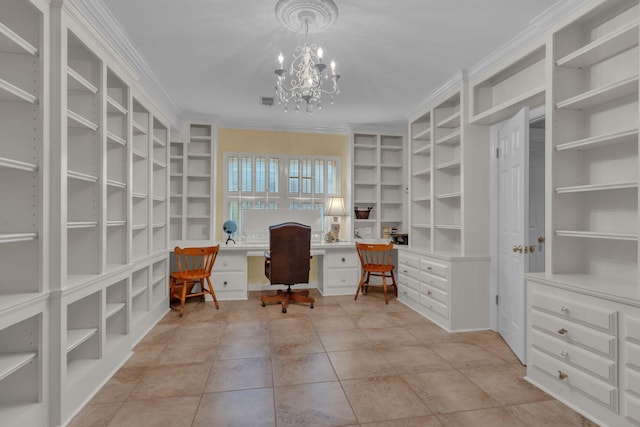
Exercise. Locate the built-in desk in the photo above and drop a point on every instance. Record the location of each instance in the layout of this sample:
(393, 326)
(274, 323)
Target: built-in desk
(338, 268)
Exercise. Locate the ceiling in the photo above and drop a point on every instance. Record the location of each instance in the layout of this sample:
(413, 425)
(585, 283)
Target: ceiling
(216, 57)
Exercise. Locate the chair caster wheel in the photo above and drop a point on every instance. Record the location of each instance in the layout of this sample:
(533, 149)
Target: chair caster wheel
(284, 310)
(263, 304)
(311, 306)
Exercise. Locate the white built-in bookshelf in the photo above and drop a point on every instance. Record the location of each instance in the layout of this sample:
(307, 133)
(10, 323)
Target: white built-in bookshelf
(378, 181)
(86, 179)
(192, 185)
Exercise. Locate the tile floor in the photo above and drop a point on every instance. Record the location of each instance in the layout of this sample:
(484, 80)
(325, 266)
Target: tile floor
(344, 363)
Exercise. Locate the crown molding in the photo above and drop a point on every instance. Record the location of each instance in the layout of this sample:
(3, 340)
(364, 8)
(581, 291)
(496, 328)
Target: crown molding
(453, 83)
(395, 128)
(531, 35)
(103, 21)
(243, 125)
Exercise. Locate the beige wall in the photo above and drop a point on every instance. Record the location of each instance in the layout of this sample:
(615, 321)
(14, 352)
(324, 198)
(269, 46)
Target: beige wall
(276, 142)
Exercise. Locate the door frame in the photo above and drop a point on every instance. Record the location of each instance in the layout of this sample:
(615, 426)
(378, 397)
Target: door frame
(535, 114)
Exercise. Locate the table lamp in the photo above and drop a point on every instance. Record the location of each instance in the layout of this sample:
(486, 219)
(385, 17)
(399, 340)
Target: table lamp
(335, 208)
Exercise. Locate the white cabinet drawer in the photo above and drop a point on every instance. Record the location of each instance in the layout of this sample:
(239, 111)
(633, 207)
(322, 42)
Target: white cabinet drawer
(407, 281)
(632, 355)
(574, 379)
(632, 329)
(228, 281)
(408, 259)
(406, 270)
(574, 333)
(583, 359)
(435, 281)
(633, 380)
(412, 294)
(632, 408)
(342, 258)
(437, 307)
(341, 277)
(577, 307)
(430, 266)
(435, 293)
(229, 262)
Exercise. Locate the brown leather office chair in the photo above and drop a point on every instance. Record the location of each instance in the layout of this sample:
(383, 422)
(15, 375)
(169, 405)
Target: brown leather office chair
(288, 262)
(194, 266)
(375, 260)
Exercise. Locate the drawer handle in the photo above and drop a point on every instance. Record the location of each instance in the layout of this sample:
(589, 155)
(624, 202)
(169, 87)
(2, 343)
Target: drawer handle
(564, 353)
(429, 268)
(428, 292)
(564, 309)
(562, 376)
(563, 331)
(225, 263)
(343, 259)
(224, 283)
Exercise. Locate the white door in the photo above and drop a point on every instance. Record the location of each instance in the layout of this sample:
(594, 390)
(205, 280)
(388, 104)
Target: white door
(513, 212)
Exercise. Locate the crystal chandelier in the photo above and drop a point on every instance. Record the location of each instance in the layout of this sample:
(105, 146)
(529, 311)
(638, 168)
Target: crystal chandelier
(306, 77)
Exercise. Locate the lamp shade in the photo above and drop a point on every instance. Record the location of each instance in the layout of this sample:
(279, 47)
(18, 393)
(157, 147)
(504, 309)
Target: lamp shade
(335, 207)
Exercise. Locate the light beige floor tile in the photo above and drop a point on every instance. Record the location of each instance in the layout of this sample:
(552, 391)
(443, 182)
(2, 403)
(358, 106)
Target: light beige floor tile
(449, 391)
(302, 368)
(494, 417)
(414, 359)
(240, 374)
(144, 355)
(505, 385)
(360, 364)
(95, 415)
(390, 337)
(430, 333)
(243, 347)
(291, 324)
(165, 412)
(305, 342)
(383, 398)
(463, 355)
(246, 328)
(317, 404)
(120, 386)
(237, 408)
(345, 339)
(188, 353)
(373, 320)
(549, 413)
(429, 421)
(332, 323)
(184, 379)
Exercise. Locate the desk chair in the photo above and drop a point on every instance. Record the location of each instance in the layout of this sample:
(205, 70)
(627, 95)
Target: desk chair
(375, 260)
(288, 262)
(194, 266)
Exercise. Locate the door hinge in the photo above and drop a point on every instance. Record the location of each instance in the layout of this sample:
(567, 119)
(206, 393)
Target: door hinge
(497, 299)
(498, 152)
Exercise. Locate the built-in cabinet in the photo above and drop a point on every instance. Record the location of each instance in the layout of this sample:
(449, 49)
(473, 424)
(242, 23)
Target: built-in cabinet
(378, 182)
(445, 289)
(583, 312)
(447, 262)
(192, 170)
(83, 172)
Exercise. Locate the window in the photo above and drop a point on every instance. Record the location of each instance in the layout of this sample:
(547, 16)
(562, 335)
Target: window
(252, 181)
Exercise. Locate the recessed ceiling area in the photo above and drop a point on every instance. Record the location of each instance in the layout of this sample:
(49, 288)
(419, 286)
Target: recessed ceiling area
(216, 57)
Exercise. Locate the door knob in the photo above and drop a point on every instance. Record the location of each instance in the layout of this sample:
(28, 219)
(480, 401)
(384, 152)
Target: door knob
(541, 239)
(529, 249)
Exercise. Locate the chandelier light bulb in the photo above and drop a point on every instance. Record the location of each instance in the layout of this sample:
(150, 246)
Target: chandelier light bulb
(281, 60)
(320, 52)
